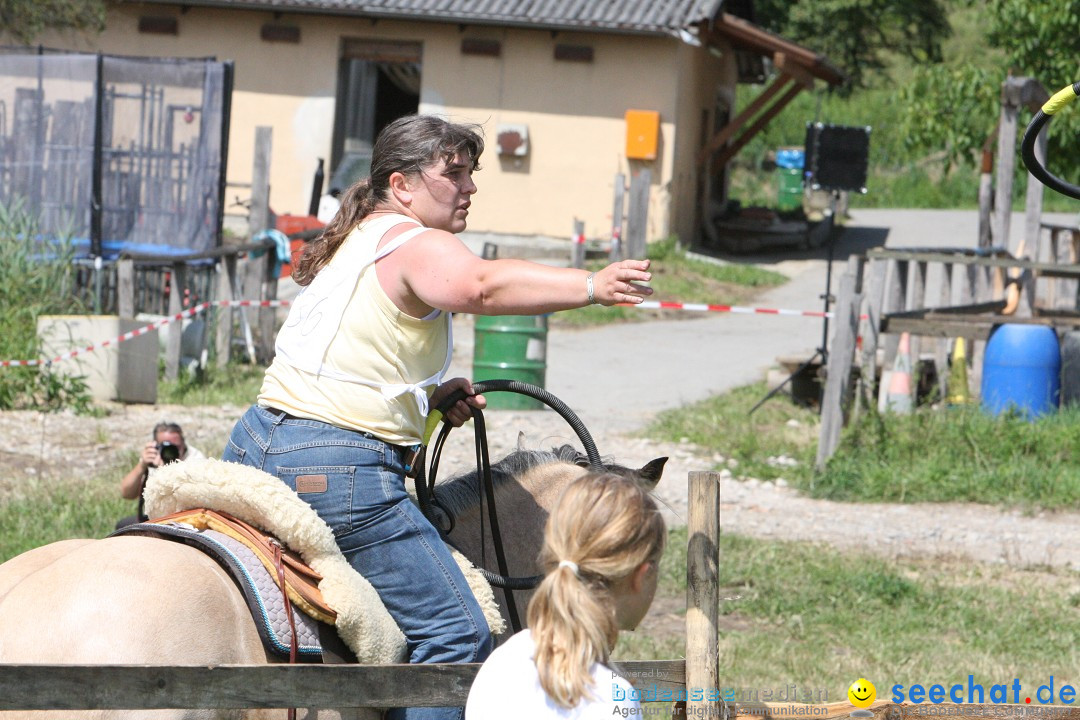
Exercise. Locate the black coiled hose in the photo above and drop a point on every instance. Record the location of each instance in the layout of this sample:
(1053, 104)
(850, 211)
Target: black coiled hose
(1027, 147)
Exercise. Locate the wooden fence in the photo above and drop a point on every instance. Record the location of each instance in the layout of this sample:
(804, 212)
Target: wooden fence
(937, 296)
(231, 272)
(104, 687)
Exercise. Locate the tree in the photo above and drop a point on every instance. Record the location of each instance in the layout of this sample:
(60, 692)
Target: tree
(859, 35)
(25, 20)
(955, 106)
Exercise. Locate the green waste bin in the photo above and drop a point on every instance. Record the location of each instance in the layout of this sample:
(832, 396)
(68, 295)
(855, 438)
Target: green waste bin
(789, 188)
(511, 347)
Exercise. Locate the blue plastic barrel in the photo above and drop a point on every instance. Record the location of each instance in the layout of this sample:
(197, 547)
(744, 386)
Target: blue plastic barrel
(1022, 370)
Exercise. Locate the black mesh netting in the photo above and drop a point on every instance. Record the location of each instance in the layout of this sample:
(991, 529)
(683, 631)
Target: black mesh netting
(159, 151)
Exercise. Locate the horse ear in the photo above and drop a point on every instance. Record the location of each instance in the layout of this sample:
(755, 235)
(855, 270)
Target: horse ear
(521, 441)
(652, 470)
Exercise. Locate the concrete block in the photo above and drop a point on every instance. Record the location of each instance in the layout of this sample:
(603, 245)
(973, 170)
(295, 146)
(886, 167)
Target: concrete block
(124, 371)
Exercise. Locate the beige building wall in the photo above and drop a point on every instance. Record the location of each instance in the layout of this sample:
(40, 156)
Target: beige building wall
(574, 111)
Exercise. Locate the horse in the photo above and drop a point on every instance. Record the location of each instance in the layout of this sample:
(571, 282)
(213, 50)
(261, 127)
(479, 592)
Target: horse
(143, 600)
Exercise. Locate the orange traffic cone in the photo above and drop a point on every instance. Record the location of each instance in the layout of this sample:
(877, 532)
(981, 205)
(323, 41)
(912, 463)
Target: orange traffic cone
(958, 381)
(899, 398)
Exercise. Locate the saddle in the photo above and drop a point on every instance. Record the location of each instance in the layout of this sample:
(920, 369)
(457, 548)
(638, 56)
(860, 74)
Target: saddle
(301, 582)
(257, 562)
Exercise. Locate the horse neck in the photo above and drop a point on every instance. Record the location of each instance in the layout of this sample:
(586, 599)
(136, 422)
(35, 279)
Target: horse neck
(522, 506)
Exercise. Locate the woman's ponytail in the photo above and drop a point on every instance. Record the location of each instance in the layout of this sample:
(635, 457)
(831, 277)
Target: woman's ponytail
(600, 531)
(356, 203)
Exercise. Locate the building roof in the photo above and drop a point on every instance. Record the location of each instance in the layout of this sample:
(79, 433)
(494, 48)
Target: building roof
(666, 17)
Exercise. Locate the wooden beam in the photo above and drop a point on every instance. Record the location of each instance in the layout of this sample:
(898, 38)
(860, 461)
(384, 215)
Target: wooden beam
(149, 687)
(837, 396)
(728, 131)
(733, 149)
(702, 591)
(797, 72)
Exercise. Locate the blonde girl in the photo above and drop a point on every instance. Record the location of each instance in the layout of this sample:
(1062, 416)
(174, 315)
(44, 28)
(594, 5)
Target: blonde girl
(602, 546)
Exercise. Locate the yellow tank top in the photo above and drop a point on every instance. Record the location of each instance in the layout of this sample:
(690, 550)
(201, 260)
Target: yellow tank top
(376, 347)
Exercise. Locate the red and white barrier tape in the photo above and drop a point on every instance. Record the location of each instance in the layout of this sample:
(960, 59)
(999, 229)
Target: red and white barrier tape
(646, 305)
(703, 307)
(191, 312)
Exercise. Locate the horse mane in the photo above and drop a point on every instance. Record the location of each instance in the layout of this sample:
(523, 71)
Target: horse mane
(462, 492)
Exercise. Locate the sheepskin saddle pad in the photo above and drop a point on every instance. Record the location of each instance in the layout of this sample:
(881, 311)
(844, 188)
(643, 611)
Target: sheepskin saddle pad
(260, 499)
(248, 555)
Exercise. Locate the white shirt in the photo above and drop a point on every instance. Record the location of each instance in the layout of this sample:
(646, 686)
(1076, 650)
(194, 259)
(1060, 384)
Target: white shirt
(508, 686)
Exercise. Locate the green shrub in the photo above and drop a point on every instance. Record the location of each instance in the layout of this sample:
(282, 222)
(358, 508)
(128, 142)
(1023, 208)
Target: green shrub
(37, 277)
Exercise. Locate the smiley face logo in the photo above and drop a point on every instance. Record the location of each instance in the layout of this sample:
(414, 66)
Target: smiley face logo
(862, 693)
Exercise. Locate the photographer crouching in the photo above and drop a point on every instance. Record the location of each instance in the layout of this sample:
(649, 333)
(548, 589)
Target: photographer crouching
(167, 446)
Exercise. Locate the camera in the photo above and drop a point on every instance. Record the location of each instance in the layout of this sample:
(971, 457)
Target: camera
(168, 452)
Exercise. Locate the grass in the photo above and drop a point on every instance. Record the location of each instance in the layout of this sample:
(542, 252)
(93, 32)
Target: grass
(932, 455)
(43, 510)
(752, 444)
(797, 613)
(235, 384)
(677, 277)
(961, 455)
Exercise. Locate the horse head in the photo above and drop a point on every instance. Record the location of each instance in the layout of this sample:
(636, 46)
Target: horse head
(526, 485)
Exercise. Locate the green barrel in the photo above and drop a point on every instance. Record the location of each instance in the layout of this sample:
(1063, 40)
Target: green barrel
(789, 188)
(511, 347)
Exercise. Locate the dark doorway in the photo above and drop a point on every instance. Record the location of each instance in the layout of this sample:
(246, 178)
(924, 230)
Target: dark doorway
(378, 82)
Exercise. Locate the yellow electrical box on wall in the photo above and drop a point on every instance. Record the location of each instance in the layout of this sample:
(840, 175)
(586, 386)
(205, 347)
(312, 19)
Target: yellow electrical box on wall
(642, 134)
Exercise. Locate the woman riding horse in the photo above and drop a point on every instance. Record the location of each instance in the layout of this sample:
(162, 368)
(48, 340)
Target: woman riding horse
(363, 354)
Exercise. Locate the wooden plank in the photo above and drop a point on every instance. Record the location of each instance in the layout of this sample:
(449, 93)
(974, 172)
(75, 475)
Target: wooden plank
(874, 296)
(1004, 262)
(147, 687)
(728, 131)
(1033, 228)
(226, 270)
(969, 326)
(176, 328)
(836, 397)
(259, 212)
(268, 315)
(702, 590)
(638, 216)
(766, 117)
(617, 251)
(1006, 165)
(125, 288)
(577, 245)
(986, 198)
(916, 297)
(886, 709)
(941, 345)
(895, 297)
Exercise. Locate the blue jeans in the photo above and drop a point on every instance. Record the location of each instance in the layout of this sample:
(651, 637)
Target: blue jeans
(356, 483)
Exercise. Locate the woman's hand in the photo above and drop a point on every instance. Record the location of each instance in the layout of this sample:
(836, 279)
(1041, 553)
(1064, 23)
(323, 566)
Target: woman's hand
(617, 283)
(461, 411)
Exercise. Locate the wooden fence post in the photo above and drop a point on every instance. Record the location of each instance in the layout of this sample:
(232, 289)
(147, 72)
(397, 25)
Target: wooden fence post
(616, 253)
(875, 296)
(702, 595)
(225, 291)
(638, 217)
(1032, 231)
(176, 327)
(838, 376)
(577, 245)
(259, 220)
(125, 288)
